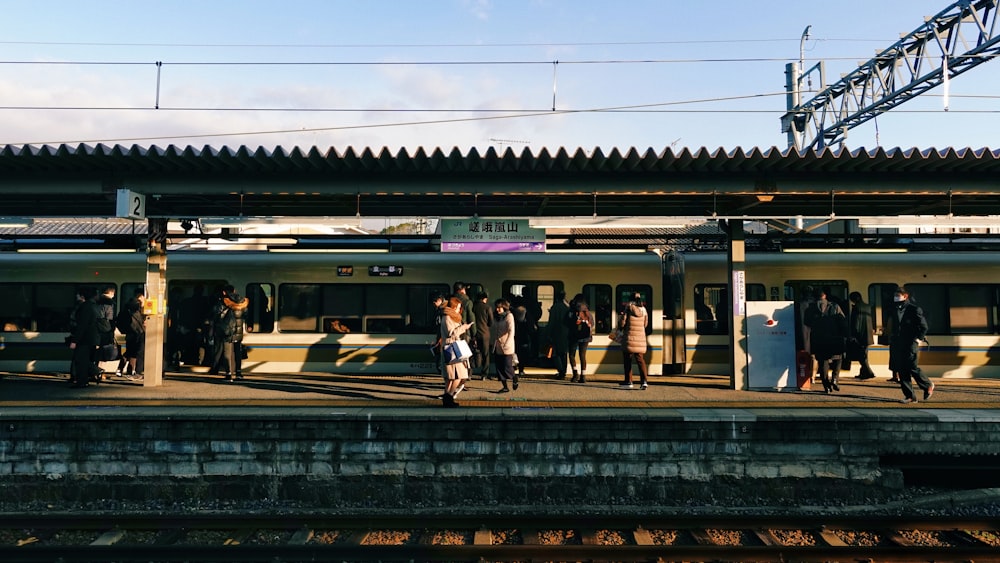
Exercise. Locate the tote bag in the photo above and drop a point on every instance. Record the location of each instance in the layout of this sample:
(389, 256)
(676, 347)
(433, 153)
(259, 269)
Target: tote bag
(457, 351)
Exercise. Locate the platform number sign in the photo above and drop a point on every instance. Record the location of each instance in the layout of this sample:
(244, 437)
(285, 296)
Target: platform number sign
(130, 204)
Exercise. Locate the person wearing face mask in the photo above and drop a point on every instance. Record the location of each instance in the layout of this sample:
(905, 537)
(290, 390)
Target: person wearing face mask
(906, 326)
(828, 336)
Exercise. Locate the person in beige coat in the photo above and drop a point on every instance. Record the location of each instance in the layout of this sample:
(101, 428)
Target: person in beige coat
(452, 329)
(503, 344)
(633, 322)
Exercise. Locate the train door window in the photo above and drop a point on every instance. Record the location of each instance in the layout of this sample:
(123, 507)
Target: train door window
(711, 308)
(127, 293)
(599, 298)
(712, 305)
(189, 302)
(259, 317)
(535, 296)
(625, 293)
(545, 296)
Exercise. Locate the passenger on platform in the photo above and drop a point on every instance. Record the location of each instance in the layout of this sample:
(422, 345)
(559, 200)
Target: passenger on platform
(438, 302)
(633, 321)
(524, 332)
(828, 334)
(107, 350)
(803, 358)
(228, 315)
(175, 329)
(484, 320)
(834, 298)
(460, 290)
(453, 328)
(559, 319)
(906, 326)
(580, 335)
(85, 337)
(196, 332)
(862, 336)
(504, 336)
(135, 336)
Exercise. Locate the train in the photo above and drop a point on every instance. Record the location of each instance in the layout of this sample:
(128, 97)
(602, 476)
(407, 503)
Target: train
(370, 312)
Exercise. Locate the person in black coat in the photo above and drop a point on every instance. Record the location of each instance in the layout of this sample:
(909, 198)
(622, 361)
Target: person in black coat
(906, 326)
(228, 319)
(828, 334)
(85, 337)
(484, 320)
(135, 335)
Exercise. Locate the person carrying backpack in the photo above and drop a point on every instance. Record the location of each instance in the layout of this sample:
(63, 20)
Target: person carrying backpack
(132, 323)
(580, 335)
(107, 348)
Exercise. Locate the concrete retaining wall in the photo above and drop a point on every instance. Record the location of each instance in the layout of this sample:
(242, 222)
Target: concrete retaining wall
(590, 456)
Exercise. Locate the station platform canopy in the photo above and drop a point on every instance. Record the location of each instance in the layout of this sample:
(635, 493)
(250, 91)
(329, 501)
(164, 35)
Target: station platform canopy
(178, 182)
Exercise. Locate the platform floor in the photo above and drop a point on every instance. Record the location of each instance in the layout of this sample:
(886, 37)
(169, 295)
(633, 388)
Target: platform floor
(537, 389)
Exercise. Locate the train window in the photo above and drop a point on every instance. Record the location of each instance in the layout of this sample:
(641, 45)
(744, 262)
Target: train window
(357, 308)
(298, 307)
(259, 317)
(955, 308)
(625, 293)
(42, 307)
(598, 297)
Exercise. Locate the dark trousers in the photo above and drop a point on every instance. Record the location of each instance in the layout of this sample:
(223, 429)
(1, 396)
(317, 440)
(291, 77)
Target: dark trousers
(903, 360)
(505, 367)
(82, 365)
(232, 354)
(482, 353)
(859, 351)
(640, 362)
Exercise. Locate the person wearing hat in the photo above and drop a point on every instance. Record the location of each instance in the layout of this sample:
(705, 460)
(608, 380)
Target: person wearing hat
(906, 326)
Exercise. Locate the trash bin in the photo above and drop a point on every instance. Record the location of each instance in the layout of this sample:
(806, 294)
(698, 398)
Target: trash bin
(803, 370)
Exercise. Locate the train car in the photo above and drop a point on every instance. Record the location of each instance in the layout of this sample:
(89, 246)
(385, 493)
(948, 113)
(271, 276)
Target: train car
(958, 291)
(353, 313)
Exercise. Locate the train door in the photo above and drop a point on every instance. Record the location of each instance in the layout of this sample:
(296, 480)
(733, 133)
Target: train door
(189, 331)
(802, 293)
(674, 352)
(530, 302)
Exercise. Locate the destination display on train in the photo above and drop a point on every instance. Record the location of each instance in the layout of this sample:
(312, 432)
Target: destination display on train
(490, 235)
(385, 271)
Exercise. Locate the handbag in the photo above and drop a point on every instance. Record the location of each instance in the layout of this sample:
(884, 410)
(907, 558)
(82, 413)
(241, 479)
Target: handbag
(107, 352)
(616, 335)
(457, 351)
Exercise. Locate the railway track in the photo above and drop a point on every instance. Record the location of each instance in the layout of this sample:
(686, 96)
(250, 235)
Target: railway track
(227, 537)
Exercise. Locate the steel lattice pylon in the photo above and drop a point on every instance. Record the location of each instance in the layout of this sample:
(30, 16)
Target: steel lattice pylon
(960, 37)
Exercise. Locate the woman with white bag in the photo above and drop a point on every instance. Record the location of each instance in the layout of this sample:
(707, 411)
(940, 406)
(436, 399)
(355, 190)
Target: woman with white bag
(455, 369)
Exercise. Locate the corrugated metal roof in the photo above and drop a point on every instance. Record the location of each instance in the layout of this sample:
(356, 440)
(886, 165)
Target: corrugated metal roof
(225, 160)
(224, 182)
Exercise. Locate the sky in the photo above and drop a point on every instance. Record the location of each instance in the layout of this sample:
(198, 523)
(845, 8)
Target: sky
(465, 74)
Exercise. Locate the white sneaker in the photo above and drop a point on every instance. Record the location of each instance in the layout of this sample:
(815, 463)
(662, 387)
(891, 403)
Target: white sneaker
(643, 386)
(459, 390)
(625, 385)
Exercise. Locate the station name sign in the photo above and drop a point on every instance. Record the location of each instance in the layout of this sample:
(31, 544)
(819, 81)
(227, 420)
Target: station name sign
(490, 235)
